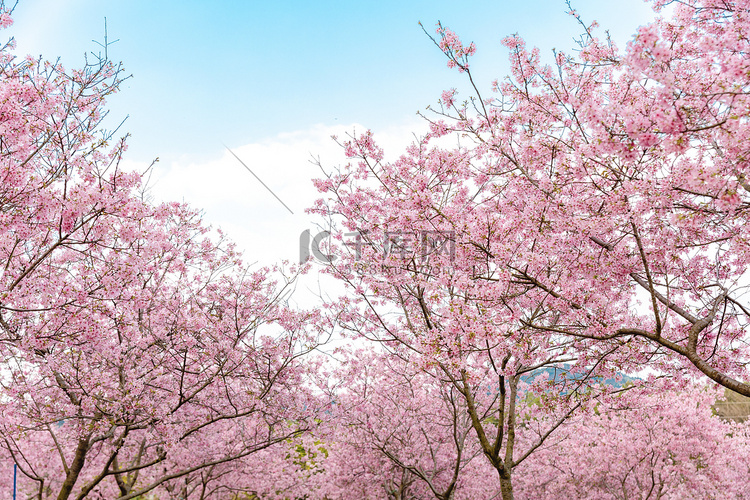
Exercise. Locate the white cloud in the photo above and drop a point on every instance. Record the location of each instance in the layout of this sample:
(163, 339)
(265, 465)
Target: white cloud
(234, 200)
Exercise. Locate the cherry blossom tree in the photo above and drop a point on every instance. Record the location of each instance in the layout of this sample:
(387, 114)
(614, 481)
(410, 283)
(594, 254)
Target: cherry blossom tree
(667, 444)
(391, 437)
(397, 431)
(137, 352)
(590, 219)
(624, 172)
(421, 285)
(592, 214)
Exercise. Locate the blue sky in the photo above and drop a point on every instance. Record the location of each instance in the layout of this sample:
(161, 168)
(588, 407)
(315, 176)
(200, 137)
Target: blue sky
(273, 80)
(237, 72)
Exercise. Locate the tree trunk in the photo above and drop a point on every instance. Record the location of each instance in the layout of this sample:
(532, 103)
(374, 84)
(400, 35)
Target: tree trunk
(75, 468)
(506, 486)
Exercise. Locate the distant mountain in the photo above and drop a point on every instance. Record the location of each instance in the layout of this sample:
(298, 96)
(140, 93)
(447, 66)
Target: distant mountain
(563, 372)
(734, 406)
